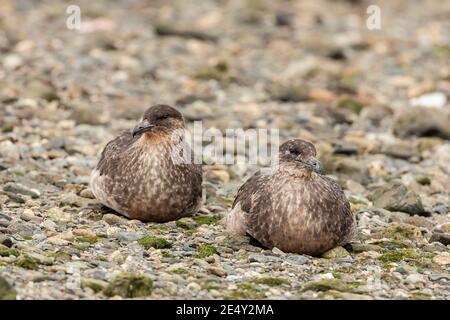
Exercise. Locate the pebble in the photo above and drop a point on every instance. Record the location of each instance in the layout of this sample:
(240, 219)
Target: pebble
(218, 271)
(72, 199)
(254, 257)
(442, 260)
(194, 286)
(433, 100)
(18, 188)
(58, 215)
(12, 61)
(416, 279)
(361, 247)
(27, 215)
(397, 197)
(128, 236)
(334, 253)
(49, 225)
(4, 240)
(441, 237)
(87, 193)
(24, 229)
(57, 241)
(113, 219)
(297, 259)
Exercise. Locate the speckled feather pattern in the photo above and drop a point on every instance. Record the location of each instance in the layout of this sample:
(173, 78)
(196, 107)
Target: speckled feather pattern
(138, 178)
(293, 209)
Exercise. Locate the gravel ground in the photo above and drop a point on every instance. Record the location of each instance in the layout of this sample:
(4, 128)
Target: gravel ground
(374, 102)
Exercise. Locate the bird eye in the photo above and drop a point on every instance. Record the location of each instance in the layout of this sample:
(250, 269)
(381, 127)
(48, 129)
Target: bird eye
(294, 151)
(163, 117)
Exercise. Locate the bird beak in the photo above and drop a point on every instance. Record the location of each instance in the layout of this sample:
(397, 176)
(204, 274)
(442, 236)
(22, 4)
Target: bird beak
(142, 127)
(315, 165)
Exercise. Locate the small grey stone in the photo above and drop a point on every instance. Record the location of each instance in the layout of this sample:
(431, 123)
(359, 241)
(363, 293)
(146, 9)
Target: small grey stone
(4, 223)
(24, 229)
(56, 143)
(27, 215)
(441, 209)
(5, 216)
(439, 276)
(277, 251)
(15, 197)
(87, 193)
(397, 197)
(297, 259)
(9, 151)
(49, 225)
(416, 278)
(18, 188)
(441, 237)
(72, 199)
(128, 236)
(255, 257)
(113, 219)
(4, 240)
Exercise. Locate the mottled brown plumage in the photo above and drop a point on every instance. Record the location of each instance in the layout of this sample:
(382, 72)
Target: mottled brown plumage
(139, 174)
(293, 207)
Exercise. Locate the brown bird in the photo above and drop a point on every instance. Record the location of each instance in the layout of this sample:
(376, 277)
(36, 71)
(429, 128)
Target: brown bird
(293, 207)
(140, 174)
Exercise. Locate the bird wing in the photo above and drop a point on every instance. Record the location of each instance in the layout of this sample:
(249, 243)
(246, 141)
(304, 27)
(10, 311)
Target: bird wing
(247, 192)
(111, 153)
(340, 207)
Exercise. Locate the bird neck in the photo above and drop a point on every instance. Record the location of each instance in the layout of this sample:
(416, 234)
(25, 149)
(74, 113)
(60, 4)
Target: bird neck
(295, 169)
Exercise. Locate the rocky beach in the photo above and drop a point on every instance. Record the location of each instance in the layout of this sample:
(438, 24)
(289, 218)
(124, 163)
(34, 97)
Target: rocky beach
(374, 102)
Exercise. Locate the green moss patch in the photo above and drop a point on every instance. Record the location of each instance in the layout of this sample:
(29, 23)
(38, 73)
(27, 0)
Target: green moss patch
(185, 224)
(6, 252)
(331, 284)
(158, 228)
(179, 271)
(272, 282)
(405, 255)
(219, 72)
(154, 242)
(88, 239)
(245, 291)
(401, 231)
(129, 285)
(167, 255)
(206, 219)
(391, 244)
(350, 104)
(206, 250)
(94, 284)
(210, 285)
(27, 263)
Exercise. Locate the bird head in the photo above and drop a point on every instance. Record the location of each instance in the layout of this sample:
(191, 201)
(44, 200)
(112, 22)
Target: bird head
(302, 153)
(159, 118)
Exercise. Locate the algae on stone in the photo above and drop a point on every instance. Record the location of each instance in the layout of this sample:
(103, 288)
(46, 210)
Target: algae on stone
(154, 242)
(129, 285)
(7, 292)
(206, 250)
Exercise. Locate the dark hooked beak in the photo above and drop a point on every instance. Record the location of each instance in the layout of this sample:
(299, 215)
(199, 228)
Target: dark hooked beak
(141, 128)
(315, 165)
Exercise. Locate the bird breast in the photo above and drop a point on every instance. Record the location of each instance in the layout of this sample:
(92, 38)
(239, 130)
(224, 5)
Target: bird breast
(301, 215)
